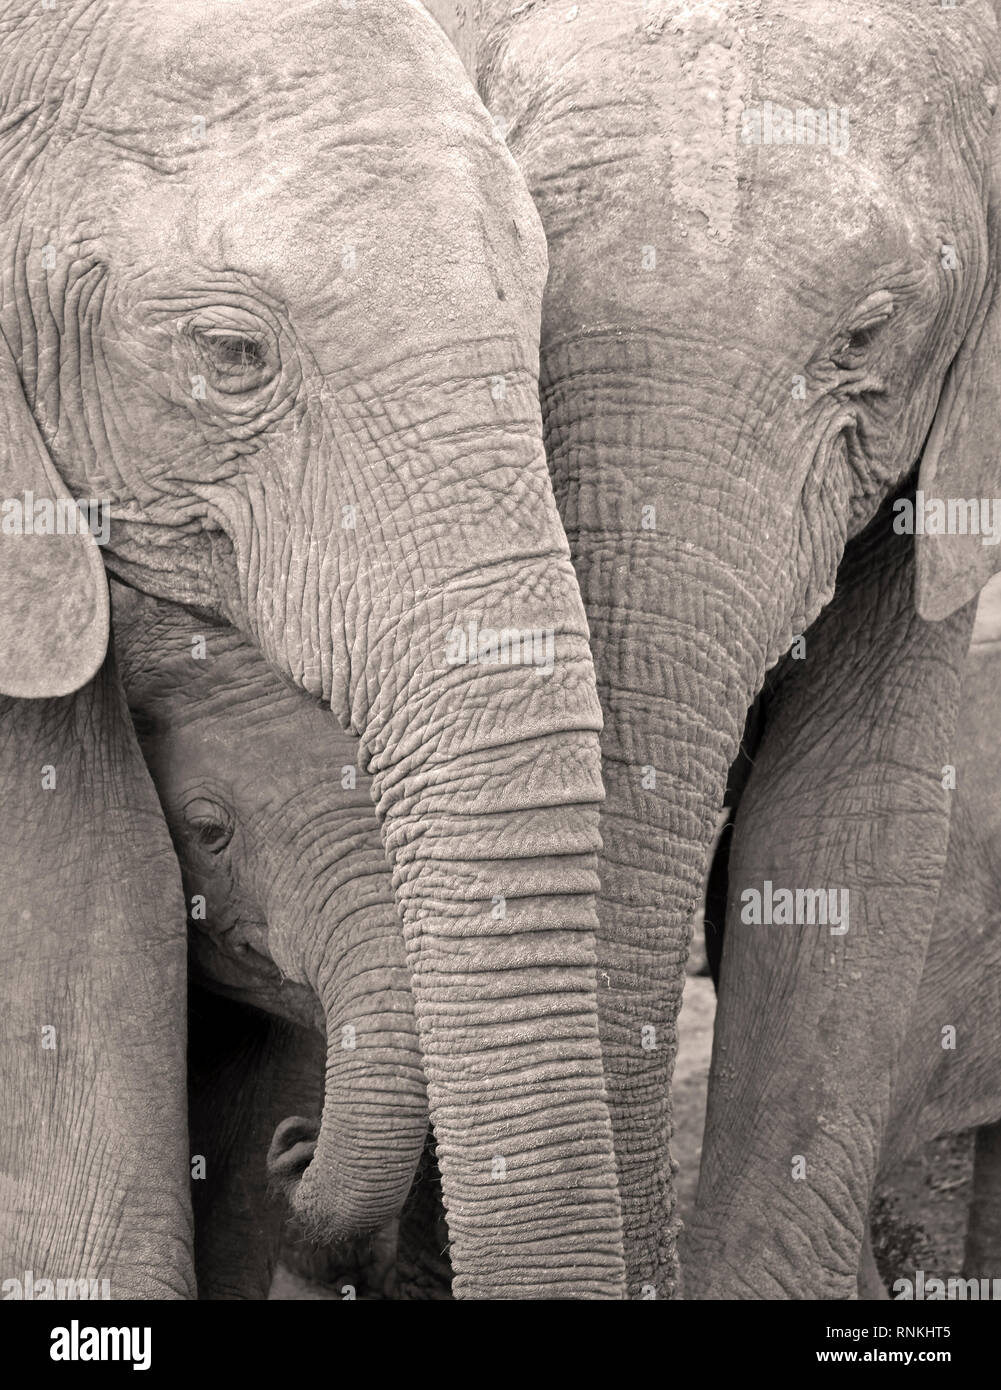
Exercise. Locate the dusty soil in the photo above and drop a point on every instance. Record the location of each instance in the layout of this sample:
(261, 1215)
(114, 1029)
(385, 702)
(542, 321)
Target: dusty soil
(691, 1074)
(919, 1213)
(289, 1287)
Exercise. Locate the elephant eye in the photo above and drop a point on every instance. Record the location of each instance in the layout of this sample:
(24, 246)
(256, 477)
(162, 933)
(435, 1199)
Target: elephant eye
(871, 317)
(211, 823)
(143, 723)
(236, 361)
(853, 346)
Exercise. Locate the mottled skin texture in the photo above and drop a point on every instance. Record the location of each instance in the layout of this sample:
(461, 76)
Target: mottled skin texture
(93, 1148)
(744, 350)
(292, 912)
(942, 1089)
(944, 1083)
(270, 282)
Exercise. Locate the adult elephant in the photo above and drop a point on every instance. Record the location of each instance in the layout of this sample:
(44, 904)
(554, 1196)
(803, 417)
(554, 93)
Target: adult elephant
(271, 286)
(761, 322)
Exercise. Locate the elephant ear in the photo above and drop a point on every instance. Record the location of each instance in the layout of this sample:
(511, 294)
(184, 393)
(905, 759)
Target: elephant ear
(54, 605)
(962, 456)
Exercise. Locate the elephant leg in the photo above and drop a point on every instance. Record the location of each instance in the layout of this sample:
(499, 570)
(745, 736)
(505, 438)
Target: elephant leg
(844, 814)
(93, 1141)
(870, 1282)
(247, 1071)
(982, 1254)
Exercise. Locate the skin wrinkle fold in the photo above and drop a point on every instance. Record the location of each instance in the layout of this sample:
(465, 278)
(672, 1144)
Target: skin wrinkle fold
(745, 445)
(243, 547)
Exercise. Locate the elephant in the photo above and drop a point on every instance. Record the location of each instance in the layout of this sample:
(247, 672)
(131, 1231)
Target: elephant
(949, 1074)
(945, 1076)
(765, 326)
(289, 894)
(948, 1065)
(269, 325)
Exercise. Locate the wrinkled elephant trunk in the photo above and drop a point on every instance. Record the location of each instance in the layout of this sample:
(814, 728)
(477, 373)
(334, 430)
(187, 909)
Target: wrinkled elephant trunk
(489, 796)
(350, 1175)
(677, 638)
(461, 659)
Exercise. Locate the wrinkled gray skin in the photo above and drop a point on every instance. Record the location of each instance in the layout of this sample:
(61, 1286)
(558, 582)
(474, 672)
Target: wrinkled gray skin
(271, 283)
(291, 911)
(947, 1079)
(949, 1083)
(744, 348)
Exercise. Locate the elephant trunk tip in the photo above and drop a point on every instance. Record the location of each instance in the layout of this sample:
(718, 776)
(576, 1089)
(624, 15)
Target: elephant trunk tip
(328, 1207)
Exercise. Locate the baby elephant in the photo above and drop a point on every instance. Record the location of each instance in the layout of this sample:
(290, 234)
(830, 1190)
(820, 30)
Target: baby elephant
(291, 911)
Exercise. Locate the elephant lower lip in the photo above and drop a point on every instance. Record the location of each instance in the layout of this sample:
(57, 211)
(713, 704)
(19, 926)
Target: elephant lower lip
(292, 1149)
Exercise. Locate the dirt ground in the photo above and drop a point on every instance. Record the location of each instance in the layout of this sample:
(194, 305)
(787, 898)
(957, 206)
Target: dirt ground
(287, 1287)
(919, 1217)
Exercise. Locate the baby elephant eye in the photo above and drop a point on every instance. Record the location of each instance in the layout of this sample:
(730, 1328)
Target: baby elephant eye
(211, 823)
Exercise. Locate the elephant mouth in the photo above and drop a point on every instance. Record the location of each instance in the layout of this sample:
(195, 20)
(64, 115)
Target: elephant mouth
(237, 970)
(291, 1152)
(366, 1258)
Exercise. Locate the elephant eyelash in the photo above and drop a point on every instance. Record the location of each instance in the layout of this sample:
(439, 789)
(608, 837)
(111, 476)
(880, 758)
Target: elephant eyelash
(239, 361)
(236, 350)
(143, 723)
(853, 347)
(210, 823)
(213, 837)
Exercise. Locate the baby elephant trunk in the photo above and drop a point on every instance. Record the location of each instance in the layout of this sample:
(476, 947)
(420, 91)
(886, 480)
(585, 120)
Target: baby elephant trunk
(348, 1176)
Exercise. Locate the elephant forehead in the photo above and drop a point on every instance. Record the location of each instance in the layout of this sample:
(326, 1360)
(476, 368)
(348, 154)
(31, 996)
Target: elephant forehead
(353, 263)
(339, 156)
(135, 65)
(213, 43)
(699, 112)
(284, 84)
(595, 103)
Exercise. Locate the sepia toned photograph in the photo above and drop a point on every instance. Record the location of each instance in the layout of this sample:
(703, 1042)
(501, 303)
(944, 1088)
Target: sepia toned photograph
(500, 660)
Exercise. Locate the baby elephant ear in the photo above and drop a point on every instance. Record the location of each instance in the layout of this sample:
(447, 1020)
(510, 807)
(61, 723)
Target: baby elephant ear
(53, 590)
(962, 456)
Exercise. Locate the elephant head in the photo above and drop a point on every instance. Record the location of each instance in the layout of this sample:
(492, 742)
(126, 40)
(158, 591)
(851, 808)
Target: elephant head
(290, 903)
(271, 292)
(762, 323)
